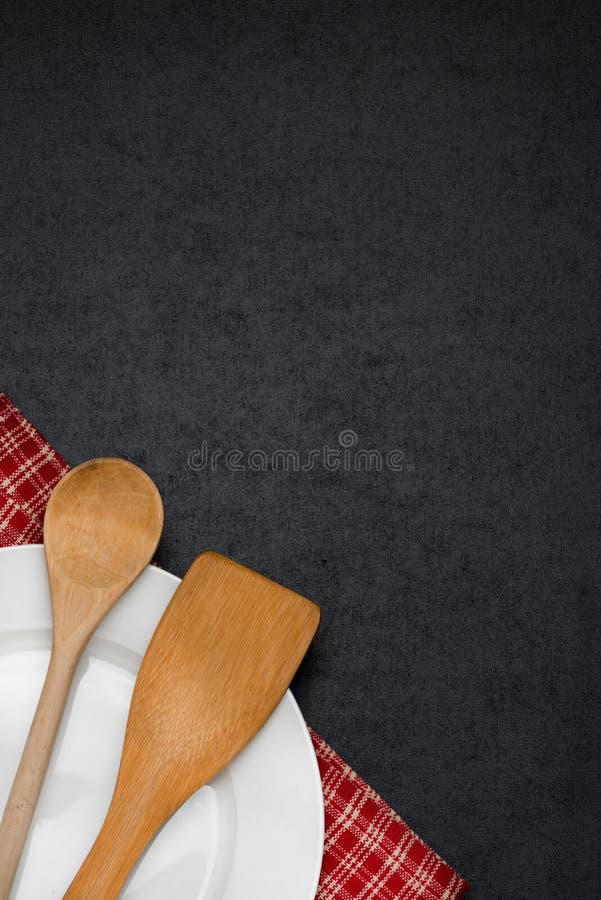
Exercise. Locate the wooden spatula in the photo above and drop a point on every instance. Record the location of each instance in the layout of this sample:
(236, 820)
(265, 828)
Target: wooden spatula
(219, 662)
(102, 526)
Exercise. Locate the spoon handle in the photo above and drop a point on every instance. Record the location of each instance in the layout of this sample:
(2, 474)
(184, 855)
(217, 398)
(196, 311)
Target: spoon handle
(29, 779)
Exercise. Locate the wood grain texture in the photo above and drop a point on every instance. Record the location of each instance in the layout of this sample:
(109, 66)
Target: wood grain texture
(101, 529)
(219, 662)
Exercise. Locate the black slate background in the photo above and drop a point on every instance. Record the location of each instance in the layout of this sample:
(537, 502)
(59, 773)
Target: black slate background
(258, 224)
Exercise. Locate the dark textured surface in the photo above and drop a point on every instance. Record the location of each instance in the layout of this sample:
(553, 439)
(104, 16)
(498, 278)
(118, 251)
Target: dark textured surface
(259, 224)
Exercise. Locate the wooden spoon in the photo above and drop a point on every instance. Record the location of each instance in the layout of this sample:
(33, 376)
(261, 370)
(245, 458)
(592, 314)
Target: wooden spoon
(102, 525)
(218, 663)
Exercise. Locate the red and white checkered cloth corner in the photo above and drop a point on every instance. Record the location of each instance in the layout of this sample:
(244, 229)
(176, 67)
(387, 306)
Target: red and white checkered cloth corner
(369, 852)
(29, 470)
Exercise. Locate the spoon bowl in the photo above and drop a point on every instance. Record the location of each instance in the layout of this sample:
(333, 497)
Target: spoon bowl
(102, 525)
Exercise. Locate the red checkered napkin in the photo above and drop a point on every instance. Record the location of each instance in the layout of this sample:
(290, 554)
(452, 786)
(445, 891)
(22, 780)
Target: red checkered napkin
(369, 851)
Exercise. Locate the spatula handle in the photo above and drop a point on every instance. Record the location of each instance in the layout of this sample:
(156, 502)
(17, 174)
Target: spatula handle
(29, 779)
(125, 832)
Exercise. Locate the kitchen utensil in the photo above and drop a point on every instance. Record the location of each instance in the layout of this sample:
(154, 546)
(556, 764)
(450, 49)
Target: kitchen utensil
(220, 660)
(101, 528)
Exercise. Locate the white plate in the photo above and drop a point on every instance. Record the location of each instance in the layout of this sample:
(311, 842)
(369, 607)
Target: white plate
(254, 833)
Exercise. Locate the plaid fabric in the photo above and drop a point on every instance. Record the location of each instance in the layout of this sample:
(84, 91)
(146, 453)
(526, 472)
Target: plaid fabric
(369, 851)
(29, 469)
